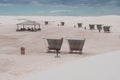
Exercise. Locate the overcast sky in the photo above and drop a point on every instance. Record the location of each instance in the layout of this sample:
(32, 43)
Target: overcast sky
(91, 3)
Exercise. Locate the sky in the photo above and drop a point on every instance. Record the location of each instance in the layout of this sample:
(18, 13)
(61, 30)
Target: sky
(63, 2)
(108, 7)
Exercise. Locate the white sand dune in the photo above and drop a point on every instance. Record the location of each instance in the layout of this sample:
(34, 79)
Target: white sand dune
(13, 65)
(102, 67)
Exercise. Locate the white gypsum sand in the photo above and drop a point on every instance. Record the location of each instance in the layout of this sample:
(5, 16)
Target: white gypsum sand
(102, 67)
(13, 65)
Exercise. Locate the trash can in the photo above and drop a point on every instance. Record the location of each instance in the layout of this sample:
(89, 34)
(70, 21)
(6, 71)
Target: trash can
(22, 51)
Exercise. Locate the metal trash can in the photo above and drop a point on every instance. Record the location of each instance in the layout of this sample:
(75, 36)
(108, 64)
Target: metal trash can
(22, 51)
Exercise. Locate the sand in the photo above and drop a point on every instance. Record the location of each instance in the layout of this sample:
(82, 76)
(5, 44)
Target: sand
(99, 67)
(13, 65)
